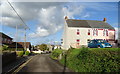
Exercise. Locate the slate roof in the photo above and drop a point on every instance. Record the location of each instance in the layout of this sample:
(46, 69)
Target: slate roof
(4, 35)
(88, 24)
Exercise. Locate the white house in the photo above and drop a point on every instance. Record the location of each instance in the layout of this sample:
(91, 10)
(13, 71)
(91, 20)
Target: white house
(77, 33)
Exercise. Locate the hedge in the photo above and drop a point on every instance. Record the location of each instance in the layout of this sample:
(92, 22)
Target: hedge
(92, 60)
(55, 54)
(27, 53)
(20, 53)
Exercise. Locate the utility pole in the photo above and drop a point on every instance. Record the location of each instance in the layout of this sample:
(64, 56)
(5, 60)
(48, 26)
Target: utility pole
(25, 40)
(16, 37)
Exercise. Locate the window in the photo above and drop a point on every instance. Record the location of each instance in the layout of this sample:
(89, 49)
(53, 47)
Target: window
(88, 32)
(2, 39)
(78, 33)
(77, 40)
(95, 32)
(5, 39)
(105, 33)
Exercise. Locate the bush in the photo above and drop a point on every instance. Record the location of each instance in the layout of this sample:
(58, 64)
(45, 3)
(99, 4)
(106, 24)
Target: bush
(93, 60)
(5, 47)
(55, 54)
(20, 53)
(27, 53)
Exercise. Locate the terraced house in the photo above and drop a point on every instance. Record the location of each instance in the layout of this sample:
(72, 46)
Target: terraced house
(77, 33)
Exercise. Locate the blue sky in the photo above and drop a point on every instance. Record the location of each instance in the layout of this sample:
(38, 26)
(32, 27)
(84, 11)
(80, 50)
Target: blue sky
(46, 20)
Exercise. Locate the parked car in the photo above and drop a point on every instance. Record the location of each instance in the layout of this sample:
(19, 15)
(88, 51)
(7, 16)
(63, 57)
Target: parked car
(46, 52)
(99, 44)
(37, 51)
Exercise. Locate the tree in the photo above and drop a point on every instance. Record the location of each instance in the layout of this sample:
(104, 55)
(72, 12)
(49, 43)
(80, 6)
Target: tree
(43, 47)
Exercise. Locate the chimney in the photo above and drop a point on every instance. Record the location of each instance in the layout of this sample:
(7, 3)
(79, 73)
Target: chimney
(66, 17)
(104, 20)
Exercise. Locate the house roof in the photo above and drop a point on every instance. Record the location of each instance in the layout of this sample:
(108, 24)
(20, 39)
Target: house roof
(20, 45)
(27, 44)
(4, 35)
(88, 24)
(13, 45)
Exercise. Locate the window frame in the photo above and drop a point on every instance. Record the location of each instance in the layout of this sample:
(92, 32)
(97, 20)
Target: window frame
(88, 31)
(78, 32)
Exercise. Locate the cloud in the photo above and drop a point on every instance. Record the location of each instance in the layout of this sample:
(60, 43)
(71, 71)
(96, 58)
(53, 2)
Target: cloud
(40, 32)
(48, 15)
(87, 15)
(51, 18)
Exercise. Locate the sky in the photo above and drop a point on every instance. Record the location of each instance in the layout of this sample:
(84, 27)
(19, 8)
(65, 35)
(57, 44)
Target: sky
(46, 19)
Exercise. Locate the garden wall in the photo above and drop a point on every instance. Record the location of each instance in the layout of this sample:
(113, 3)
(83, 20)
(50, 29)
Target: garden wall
(8, 57)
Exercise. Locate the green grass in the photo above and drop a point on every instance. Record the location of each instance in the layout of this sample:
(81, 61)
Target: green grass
(92, 59)
(55, 54)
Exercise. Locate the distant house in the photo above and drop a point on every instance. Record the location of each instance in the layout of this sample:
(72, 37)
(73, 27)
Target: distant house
(77, 33)
(50, 47)
(5, 39)
(21, 45)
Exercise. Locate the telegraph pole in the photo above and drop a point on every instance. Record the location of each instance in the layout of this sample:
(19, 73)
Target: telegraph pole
(16, 37)
(25, 40)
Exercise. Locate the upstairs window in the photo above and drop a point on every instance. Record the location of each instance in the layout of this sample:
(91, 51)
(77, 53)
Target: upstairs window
(78, 32)
(105, 33)
(88, 32)
(95, 32)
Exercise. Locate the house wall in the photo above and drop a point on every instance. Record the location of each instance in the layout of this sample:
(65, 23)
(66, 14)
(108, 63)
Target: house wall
(64, 45)
(70, 36)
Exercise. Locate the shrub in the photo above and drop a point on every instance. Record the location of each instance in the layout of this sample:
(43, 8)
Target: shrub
(20, 53)
(55, 54)
(27, 53)
(5, 47)
(92, 60)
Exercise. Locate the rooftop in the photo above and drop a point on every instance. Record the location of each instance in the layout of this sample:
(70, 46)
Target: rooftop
(88, 24)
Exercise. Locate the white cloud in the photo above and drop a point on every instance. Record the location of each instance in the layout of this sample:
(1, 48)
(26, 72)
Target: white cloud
(40, 32)
(87, 15)
(49, 15)
(52, 18)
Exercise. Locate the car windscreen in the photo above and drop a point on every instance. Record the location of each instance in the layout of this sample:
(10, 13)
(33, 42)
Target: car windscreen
(102, 41)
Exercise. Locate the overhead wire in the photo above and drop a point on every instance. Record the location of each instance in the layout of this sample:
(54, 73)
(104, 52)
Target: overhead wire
(19, 16)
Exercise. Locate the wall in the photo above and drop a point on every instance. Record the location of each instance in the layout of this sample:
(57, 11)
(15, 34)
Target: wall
(70, 36)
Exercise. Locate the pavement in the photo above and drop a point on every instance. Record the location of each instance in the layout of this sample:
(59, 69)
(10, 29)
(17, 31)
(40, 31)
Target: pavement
(42, 63)
(12, 66)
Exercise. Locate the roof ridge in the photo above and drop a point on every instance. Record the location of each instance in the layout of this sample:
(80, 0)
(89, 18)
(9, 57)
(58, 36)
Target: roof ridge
(85, 20)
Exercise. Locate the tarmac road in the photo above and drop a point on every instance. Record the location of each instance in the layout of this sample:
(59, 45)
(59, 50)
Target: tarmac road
(43, 63)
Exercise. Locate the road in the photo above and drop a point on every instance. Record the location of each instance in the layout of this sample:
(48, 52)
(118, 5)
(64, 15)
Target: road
(43, 63)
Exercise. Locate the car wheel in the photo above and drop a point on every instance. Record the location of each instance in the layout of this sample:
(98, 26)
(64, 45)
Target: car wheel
(98, 46)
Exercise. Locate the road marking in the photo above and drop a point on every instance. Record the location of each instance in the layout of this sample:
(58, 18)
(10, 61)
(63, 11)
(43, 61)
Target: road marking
(20, 67)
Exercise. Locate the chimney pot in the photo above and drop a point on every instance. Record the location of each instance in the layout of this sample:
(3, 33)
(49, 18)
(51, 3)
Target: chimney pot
(104, 19)
(66, 17)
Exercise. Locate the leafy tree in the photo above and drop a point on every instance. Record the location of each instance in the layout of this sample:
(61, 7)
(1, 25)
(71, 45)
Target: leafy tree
(43, 47)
